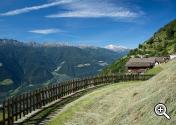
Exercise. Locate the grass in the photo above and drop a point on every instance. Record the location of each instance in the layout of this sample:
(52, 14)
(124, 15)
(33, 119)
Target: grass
(82, 103)
(154, 71)
(131, 103)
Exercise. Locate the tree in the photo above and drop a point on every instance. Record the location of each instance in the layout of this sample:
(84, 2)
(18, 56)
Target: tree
(164, 53)
(164, 44)
(175, 48)
(175, 34)
(140, 46)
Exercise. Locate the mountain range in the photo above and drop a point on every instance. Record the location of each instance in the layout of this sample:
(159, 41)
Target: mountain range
(24, 65)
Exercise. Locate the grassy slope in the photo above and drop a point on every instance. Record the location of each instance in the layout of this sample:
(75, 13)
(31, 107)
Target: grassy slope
(155, 70)
(125, 104)
(117, 66)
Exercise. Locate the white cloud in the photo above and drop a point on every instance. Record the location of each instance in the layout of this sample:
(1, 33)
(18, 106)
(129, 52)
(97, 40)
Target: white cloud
(45, 31)
(28, 9)
(94, 9)
(82, 9)
(89, 14)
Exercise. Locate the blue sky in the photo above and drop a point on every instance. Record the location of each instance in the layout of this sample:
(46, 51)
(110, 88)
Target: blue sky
(86, 22)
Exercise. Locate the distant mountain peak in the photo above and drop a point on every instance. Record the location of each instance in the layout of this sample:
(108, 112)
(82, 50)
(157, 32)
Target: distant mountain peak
(116, 47)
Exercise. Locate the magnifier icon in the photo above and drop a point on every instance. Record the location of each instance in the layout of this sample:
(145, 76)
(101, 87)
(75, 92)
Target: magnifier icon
(161, 110)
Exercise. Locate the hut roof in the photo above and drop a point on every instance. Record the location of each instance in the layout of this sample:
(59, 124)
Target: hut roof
(141, 62)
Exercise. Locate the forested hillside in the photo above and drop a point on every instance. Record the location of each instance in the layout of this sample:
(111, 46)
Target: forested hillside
(162, 43)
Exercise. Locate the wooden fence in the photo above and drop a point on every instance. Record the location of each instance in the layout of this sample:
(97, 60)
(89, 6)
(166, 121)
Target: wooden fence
(15, 108)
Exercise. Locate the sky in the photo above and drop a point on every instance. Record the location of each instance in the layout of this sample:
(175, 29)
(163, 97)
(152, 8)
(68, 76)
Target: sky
(84, 22)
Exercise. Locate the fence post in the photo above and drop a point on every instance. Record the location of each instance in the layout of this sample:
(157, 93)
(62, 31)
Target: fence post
(40, 98)
(4, 112)
(30, 104)
(58, 89)
(16, 108)
(66, 88)
(27, 103)
(12, 109)
(70, 87)
(61, 90)
(8, 111)
(55, 92)
(52, 93)
(45, 96)
(20, 105)
(23, 100)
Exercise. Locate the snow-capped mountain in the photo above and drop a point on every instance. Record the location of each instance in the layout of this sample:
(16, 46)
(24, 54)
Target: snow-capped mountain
(116, 48)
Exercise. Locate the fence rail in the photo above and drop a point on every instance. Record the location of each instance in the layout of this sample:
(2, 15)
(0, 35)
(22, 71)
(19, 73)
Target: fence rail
(15, 108)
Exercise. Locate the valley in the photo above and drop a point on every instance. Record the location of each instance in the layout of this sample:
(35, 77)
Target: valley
(25, 66)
